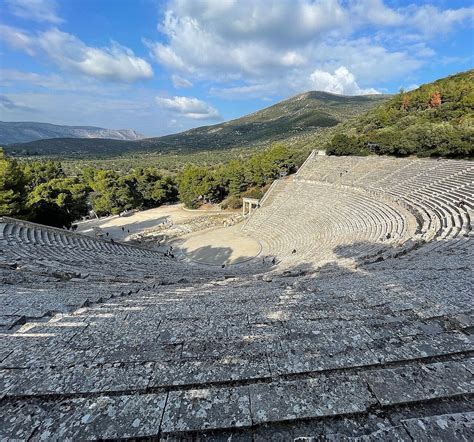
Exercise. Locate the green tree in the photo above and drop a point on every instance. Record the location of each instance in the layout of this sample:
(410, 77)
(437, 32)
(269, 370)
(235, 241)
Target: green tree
(278, 160)
(342, 144)
(112, 193)
(254, 171)
(197, 185)
(58, 202)
(12, 186)
(234, 172)
(39, 172)
(154, 189)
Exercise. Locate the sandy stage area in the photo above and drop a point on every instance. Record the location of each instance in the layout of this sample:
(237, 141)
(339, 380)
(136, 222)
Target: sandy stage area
(226, 245)
(140, 221)
(211, 246)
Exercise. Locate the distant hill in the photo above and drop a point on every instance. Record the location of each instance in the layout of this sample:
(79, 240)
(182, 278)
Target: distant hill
(291, 120)
(26, 131)
(436, 119)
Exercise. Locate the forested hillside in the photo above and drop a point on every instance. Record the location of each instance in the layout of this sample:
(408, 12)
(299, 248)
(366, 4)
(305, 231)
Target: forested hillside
(291, 121)
(437, 119)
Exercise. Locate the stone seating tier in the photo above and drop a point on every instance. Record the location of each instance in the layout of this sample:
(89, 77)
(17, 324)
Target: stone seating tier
(430, 189)
(324, 220)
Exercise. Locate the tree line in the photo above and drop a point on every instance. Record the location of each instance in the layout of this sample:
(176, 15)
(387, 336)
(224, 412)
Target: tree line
(41, 192)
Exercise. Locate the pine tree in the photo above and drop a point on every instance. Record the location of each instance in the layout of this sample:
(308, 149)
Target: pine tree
(12, 186)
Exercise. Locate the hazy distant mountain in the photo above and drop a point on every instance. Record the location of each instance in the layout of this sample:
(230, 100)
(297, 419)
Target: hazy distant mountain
(294, 120)
(26, 131)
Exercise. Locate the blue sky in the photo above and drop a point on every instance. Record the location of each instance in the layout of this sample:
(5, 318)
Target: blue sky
(165, 66)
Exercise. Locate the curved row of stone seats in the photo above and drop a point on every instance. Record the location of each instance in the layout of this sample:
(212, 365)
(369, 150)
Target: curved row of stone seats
(384, 172)
(431, 190)
(44, 270)
(443, 200)
(365, 169)
(48, 250)
(447, 254)
(443, 219)
(59, 247)
(32, 233)
(418, 174)
(305, 217)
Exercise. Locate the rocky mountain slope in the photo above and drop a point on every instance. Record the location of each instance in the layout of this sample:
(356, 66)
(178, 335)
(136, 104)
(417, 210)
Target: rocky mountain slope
(26, 131)
(291, 120)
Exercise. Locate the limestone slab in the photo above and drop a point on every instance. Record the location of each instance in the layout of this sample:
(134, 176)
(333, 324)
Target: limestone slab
(203, 371)
(19, 420)
(447, 427)
(310, 398)
(81, 379)
(206, 409)
(103, 417)
(420, 383)
(421, 346)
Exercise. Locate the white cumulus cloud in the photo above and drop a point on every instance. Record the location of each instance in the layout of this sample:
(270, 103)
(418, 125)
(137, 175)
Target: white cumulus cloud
(340, 82)
(248, 44)
(375, 11)
(248, 36)
(112, 63)
(166, 55)
(115, 63)
(188, 107)
(431, 20)
(17, 39)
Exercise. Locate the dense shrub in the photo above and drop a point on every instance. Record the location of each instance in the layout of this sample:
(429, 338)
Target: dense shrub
(232, 202)
(254, 192)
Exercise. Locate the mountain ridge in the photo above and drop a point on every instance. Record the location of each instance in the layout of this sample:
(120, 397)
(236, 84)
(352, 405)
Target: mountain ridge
(28, 131)
(289, 120)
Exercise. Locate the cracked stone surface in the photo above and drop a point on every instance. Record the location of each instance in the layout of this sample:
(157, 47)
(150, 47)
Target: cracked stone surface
(414, 383)
(100, 417)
